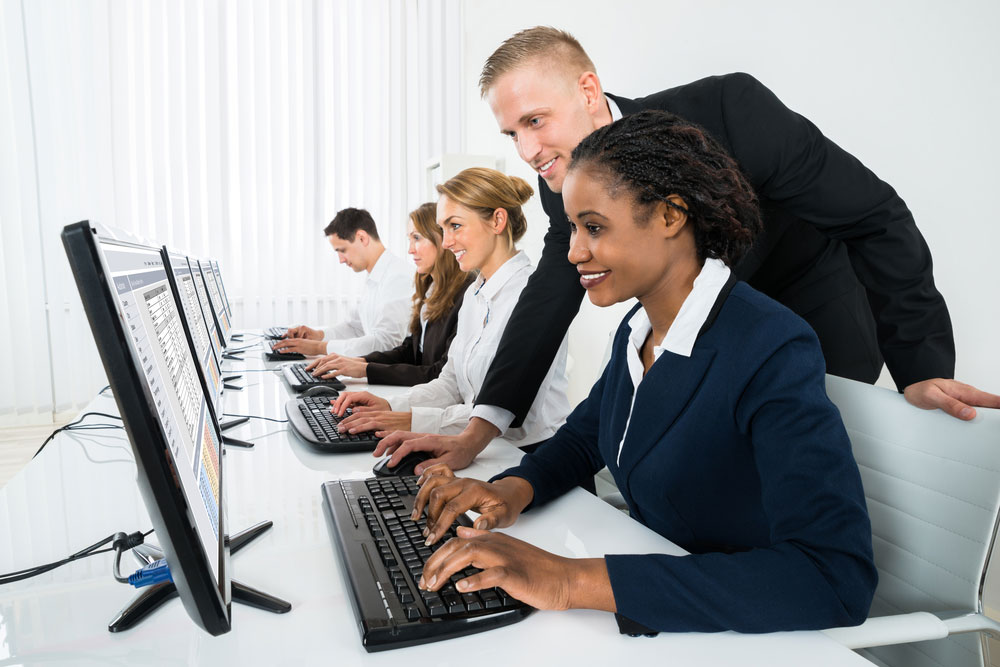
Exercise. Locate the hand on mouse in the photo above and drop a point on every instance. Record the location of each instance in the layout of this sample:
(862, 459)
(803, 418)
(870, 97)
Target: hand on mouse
(527, 573)
(383, 422)
(445, 496)
(358, 401)
(458, 451)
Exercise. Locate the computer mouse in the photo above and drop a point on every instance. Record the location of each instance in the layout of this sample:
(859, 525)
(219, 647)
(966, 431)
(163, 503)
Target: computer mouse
(404, 468)
(321, 391)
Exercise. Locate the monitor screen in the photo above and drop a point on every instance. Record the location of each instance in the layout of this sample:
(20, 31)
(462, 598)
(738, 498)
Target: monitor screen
(222, 289)
(170, 422)
(221, 316)
(206, 308)
(195, 322)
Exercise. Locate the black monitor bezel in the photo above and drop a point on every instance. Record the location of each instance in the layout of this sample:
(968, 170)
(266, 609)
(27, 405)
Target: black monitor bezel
(215, 315)
(207, 601)
(172, 279)
(217, 270)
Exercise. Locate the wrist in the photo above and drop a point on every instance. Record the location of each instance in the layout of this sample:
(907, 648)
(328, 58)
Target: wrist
(477, 434)
(517, 492)
(364, 369)
(589, 584)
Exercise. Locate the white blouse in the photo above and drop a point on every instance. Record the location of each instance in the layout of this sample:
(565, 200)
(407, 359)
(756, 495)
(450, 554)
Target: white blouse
(444, 405)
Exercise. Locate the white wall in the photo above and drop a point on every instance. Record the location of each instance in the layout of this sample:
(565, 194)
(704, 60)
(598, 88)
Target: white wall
(912, 88)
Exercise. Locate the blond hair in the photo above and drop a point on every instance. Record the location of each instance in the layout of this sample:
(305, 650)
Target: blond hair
(485, 190)
(551, 45)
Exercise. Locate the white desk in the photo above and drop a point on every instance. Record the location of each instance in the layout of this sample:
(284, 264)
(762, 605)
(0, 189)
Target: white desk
(82, 488)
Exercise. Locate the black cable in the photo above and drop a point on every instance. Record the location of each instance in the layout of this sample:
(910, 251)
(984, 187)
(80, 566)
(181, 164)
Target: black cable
(106, 387)
(270, 419)
(92, 550)
(76, 426)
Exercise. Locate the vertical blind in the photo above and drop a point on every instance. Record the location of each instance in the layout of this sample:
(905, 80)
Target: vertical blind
(230, 129)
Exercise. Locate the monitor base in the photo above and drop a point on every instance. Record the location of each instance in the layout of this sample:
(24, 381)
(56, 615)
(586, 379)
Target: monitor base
(150, 599)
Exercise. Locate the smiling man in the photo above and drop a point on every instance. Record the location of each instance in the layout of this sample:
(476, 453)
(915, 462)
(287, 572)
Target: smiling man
(839, 246)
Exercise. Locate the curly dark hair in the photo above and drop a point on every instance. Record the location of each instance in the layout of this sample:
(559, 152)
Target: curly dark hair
(655, 154)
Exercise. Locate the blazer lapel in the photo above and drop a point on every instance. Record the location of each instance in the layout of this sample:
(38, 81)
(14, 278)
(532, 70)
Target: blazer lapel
(662, 395)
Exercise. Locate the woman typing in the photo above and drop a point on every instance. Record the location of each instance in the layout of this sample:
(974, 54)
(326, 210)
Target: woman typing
(711, 415)
(479, 213)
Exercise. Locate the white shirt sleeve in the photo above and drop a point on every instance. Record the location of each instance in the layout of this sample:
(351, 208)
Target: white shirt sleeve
(381, 319)
(387, 331)
(435, 405)
(497, 416)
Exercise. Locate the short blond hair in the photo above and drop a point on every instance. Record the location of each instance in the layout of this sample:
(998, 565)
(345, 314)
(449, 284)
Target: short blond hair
(545, 43)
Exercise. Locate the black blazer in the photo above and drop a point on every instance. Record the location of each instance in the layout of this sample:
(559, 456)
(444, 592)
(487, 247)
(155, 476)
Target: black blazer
(839, 248)
(405, 364)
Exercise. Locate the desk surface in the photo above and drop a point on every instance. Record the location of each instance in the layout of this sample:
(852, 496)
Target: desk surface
(82, 488)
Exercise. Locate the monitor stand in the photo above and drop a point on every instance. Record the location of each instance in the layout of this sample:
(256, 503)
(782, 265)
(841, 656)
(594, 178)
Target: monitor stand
(146, 602)
(233, 442)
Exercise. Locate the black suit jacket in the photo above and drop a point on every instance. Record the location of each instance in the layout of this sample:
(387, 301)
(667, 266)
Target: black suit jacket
(405, 364)
(839, 247)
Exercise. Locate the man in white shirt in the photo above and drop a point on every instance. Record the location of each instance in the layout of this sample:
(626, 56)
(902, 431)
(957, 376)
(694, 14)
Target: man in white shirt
(380, 320)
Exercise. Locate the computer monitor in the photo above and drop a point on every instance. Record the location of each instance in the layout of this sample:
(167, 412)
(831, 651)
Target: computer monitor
(164, 405)
(222, 289)
(215, 299)
(206, 308)
(196, 326)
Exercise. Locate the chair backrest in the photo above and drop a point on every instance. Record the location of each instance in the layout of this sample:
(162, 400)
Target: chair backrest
(932, 484)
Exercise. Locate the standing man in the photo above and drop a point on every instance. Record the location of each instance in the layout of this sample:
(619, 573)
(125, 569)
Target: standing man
(380, 320)
(839, 246)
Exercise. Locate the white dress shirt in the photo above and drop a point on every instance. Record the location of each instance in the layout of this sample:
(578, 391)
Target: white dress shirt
(382, 317)
(444, 405)
(683, 332)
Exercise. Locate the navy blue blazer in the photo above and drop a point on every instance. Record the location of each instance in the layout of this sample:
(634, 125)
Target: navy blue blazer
(737, 455)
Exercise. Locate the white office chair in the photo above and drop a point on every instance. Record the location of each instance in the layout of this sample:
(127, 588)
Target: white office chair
(932, 484)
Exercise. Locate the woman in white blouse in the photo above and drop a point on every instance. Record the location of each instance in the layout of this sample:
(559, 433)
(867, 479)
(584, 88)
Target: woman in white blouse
(479, 212)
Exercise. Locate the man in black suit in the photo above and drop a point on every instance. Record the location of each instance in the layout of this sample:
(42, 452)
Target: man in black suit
(839, 247)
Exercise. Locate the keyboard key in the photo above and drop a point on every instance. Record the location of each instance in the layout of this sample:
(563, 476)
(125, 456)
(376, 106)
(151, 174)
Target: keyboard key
(472, 602)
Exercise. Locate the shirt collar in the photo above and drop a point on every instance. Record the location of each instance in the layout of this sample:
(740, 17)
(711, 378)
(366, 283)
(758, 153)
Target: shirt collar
(487, 289)
(683, 332)
(616, 113)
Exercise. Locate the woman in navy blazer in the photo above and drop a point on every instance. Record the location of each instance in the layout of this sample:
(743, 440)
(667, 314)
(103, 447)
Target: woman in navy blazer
(711, 415)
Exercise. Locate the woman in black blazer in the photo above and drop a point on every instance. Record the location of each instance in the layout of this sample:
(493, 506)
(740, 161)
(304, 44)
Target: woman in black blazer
(440, 286)
(711, 415)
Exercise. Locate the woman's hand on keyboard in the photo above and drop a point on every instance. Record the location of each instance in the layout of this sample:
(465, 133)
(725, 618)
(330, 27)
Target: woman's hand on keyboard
(358, 401)
(381, 421)
(352, 367)
(300, 345)
(445, 497)
(525, 572)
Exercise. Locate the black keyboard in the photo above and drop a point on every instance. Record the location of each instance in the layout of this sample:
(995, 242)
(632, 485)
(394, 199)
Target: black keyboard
(281, 356)
(299, 379)
(275, 333)
(311, 419)
(383, 555)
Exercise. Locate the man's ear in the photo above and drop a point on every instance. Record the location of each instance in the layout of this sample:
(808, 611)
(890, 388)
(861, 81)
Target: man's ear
(362, 236)
(590, 87)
